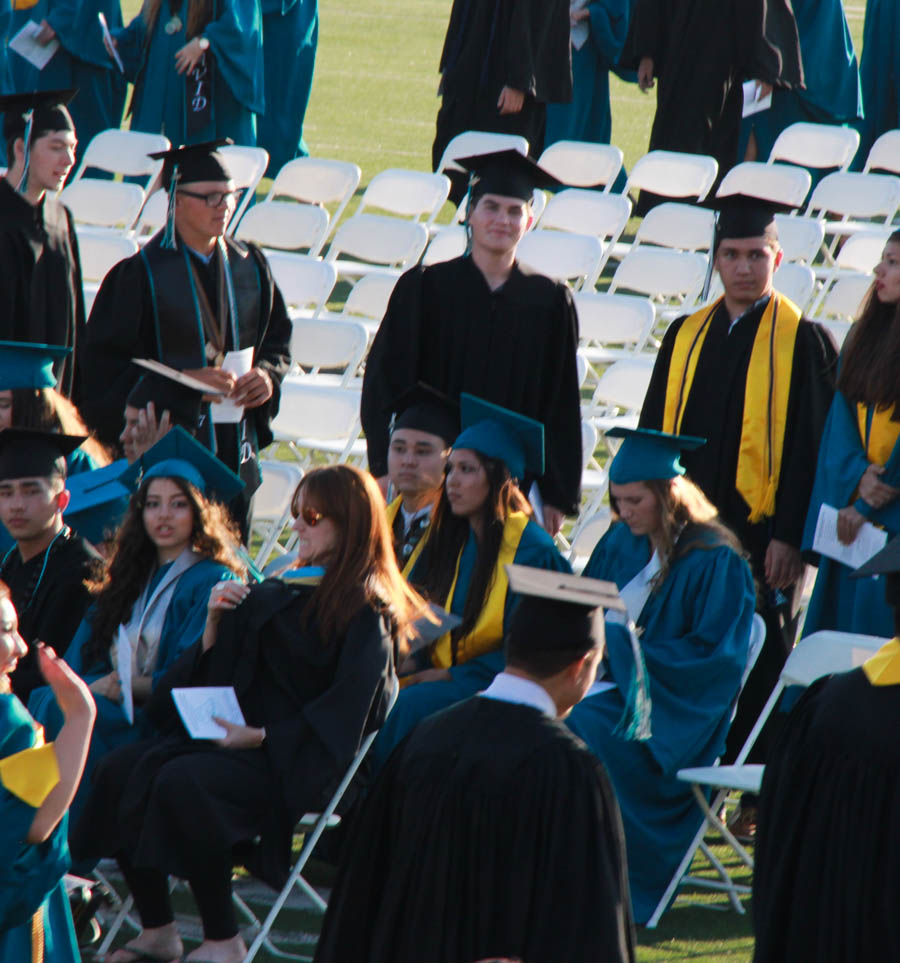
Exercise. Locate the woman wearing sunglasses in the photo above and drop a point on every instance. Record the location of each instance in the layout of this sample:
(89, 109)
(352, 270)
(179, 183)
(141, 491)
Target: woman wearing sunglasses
(312, 664)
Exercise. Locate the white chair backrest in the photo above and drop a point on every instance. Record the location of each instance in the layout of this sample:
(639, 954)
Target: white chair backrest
(827, 652)
(112, 204)
(379, 239)
(795, 281)
(844, 299)
(684, 227)
(407, 193)
(588, 532)
(624, 383)
(586, 212)
(287, 225)
(470, 143)
(305, 282)
(153, 214)
(605, 319)
(661, 273)
(757, 638)
(369, 297)
(816, 145)
(589, 438)
(582, 366)
(124, 152)
(799, 237)
(884, 155)
(862, 251)
(779, 182)
(562, 256)
(582, 164)
(449, 242)
(857, 195)
(837, 329)
(315, 411)
(328, 343)
(673, 174)
(99, 252)
(246, 166)
(273, 497)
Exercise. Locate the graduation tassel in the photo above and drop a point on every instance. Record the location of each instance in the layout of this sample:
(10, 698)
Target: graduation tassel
(168, 241)
(29, 123)
(635, 722)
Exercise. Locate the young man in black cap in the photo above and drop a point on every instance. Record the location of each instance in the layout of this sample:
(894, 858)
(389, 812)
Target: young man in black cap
(191, 296)
(40, 274)
(755, 379)
(47, 567)
(493, 831)
(481, 324)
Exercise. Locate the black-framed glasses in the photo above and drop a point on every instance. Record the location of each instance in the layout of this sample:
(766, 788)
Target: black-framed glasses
(213, 199)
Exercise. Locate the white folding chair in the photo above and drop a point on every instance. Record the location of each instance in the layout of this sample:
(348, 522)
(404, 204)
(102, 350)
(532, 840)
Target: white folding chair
(619, 395)
(795, 281)
(816, 145)
(316, 418)
(842, 301)
(272, 505)
(368, 300)
(470, 143)
(778, 182)
(606, 320)
(286, 225)
(317, 180)
(585, 535)
(575, 258)
(449, 242)
(673, 174)
(406, 193)
(109, 205)
(305, 282)
(855, 202)
(246, 166)
(884, 154)
(837, 329)
(681, 227)
(800, 237)
(583, 164)
(152, 217)
(580, 211)
(101, 252)
(594, 477)
(819, 654)
(380, 243)
(328, 344)
(124, 152)
(673, 279)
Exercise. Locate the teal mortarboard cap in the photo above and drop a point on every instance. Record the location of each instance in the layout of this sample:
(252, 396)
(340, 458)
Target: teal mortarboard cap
(647, 454)
(27, 365)
(98, 502)
(517, 440)
(178, 455)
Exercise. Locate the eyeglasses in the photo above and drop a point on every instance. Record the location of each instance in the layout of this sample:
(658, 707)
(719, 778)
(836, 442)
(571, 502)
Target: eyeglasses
(310, 516)
(213, 199)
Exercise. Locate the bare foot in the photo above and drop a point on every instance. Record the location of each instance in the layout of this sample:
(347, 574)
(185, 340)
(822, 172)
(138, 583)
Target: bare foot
(219, 951)
(160, 943)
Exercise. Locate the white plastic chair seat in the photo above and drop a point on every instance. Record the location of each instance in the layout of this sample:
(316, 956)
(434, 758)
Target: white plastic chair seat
(612, 319)
(884, 154)
(286, 225)
(747, 778)
(449, 242)
(305, 282)
(582, 164)
(780, 182)
(470, 143)
(317, 417)
(368, 298)
(408, 193)
(816, 145)
(124, 152)
(845, 297)
(662, 274)
(795, 281)
(379, 240)
(562, 255)
(109, 204)
(673, 174)
(837, 329)
(860, 196)
(800, 237)
(101, 252)
(579, 211)
(683, 227)
(330, 344)
(246, 166)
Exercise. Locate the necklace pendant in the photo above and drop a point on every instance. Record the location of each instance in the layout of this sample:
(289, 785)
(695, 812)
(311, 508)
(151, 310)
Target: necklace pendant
(173, 25)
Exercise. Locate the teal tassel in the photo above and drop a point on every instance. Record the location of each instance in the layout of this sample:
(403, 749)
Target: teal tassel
(635, 722)
(168, 241)
(23, 184)
(468, 249)
(252, 570)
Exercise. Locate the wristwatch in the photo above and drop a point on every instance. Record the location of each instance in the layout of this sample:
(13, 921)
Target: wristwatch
(203, 42)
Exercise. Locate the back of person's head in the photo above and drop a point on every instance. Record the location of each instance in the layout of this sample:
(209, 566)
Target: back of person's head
(547, 635)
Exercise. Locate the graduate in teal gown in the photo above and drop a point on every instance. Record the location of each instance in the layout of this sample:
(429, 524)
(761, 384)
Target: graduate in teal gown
(879, 72)
(228, 46)
(481, 523)
(691, 596)
(832, 94)
(858, 469)
(290, 38)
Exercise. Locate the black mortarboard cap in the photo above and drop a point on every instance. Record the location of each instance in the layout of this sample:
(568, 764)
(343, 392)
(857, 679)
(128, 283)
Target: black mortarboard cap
(742, 215)
(49, 112)
(26, 453)
(885, 562)
(422, 408)
(506, 172)
(183, 404)
(195, 162)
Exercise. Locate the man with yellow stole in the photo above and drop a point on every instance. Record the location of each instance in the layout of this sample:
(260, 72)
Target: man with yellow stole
(756, 379)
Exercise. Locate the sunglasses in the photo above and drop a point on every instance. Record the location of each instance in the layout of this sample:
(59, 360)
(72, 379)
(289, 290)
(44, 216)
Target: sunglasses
(310, 516)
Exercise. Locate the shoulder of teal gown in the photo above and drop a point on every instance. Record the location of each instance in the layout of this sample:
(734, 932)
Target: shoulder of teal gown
(618, 556)
(79, 461)
(538, 550)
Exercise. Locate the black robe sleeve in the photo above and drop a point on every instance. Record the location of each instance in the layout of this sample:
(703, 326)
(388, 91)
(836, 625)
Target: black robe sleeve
(647, 34)
(774, 55)
(73, 376)
(538, 55)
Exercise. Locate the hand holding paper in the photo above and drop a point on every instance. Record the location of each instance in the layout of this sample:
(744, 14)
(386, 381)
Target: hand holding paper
(198, 707)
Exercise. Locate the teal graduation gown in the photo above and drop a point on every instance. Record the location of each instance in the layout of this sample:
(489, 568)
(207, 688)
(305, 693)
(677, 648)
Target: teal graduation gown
(694, 632)
(879, 71)
(536, 550)
(30, 873)
(838, 601)
(158, 102)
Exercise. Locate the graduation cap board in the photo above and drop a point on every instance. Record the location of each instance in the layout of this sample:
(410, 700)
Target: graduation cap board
(178, 455)
(31, 115)
(422, 408)
(497, 432)
(646, 454)
(26, 453)
(29, 365)
(562, 587)
(98, 501)
(505, 172)
(170, 390)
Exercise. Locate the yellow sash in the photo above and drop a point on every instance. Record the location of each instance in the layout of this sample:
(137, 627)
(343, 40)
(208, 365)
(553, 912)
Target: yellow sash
(883, 668)
(23, 4)
(32, 773)
(488, 631)
(765, 395)
(392, 510)
(883, 433)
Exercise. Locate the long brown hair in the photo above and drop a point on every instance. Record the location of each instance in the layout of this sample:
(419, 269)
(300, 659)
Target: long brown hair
(45, 409)
(134, 559)
(364, 570)
(870, 360)
(5, 687)
(448, 536)
(200, 12)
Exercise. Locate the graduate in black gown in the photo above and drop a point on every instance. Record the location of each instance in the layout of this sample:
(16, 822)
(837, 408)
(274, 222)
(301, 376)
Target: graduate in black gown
(482, 324)
(192, 295)
(40, 275)
(759, 394)
(502, 63)
(47, 566)
(493, 831)
(827, 869)
(313, 670)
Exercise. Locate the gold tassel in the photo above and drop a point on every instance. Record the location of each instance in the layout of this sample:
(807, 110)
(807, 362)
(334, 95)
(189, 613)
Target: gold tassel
(37, 937)
(766, 506)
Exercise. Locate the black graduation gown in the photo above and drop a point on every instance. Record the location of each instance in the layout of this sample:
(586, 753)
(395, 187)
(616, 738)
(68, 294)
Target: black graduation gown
(703, 50)
(50, 606)
(514, 346)
(828, 845)
(41, 295)
(714, 410)
(491, 831)
(316, 701)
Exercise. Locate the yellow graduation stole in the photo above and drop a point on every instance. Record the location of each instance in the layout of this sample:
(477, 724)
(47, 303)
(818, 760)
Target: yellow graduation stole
(30, 774)
(488, 630)
(765, 395)
(392, 510)
(883, 668)
(882, 435)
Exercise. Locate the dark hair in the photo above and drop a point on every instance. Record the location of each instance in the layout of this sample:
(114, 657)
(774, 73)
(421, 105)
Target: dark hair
(870, 359)
(448, 536)
(45, 409)
(134, 558)
(547, 635)
(200, 13)
(364, 570)
(5, 687)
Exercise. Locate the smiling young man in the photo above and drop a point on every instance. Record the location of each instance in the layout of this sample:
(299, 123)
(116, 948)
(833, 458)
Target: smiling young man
(40, 275)
(47, 567)
(482, 324)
